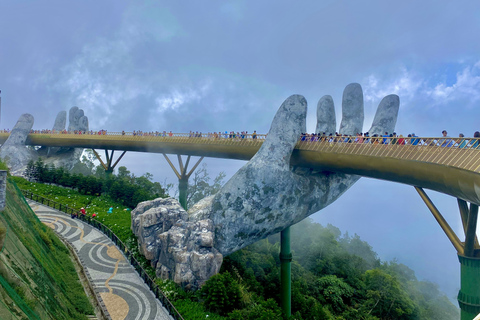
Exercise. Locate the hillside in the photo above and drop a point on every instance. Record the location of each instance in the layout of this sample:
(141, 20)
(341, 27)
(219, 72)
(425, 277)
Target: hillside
(37, 276)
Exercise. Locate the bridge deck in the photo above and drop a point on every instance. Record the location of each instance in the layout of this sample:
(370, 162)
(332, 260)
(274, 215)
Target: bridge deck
(452, 170)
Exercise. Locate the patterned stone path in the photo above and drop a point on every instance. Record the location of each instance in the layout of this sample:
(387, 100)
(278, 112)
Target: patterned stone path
(123, 292)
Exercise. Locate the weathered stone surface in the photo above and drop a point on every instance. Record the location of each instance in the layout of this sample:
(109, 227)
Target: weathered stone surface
(19, 133)
(17, 155)
(83, 123)
(264, 197)
(13, 151)
(77, 120)
(326, 121)
(66, 157)
(181, 250)
(352, 109)
(60, 121)
(386, 115)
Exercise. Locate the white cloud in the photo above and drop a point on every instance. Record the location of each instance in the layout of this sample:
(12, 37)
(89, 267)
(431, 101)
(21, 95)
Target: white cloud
(180, 96)
(414, 87)
(407, 86)
(466, 87)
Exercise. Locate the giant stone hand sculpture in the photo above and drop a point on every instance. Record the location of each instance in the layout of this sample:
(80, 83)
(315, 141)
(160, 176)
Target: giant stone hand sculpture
(264, 197)
(17, 155)
(66, 157)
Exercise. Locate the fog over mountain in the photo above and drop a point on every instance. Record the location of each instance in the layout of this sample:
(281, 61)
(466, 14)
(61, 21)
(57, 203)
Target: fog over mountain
(228, 65)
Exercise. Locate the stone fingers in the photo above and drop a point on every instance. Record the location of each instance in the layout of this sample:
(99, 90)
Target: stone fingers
(60, 121)
(19, 133)
(386, 115)
(326, 116)
(352, 110)
(287, 126)
(77, 120)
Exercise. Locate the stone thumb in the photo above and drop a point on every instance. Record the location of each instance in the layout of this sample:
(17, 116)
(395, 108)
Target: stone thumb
(287, 126)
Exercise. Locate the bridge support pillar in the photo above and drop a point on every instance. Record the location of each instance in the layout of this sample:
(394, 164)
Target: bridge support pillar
(469, 294)
(108, 165)
(182, 177)
(468, 254)
(285, 272)
(182, 191)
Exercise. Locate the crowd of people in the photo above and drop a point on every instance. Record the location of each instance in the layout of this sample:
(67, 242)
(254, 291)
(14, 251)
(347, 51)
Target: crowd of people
(386, 138)
(393, 138)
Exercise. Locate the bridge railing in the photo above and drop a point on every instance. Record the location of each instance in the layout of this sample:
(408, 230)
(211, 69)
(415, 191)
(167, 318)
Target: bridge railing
(146, 135)
(464, 143)
(167, 304)
(458, 152)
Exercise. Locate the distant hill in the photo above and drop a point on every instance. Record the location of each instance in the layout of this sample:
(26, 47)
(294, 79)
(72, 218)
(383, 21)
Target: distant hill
(37, 276)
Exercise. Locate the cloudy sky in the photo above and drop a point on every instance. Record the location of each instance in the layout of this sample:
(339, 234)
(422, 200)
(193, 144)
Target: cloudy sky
(228, 65)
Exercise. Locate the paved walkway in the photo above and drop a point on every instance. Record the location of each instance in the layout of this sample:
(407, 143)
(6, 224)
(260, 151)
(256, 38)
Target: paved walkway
(123, 292)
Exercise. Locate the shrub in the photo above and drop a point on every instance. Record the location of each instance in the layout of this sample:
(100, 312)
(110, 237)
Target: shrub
(222, 293)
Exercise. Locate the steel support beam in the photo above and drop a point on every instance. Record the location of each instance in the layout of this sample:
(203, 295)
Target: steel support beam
(470, 234)
(182, 177)
(469, 293)
(441, 221)
(109, 158)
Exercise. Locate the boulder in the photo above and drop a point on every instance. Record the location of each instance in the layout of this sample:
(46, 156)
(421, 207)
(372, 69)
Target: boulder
(179, 249)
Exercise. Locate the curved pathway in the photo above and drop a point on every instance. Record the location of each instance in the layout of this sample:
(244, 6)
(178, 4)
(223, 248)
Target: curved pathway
(115, 281)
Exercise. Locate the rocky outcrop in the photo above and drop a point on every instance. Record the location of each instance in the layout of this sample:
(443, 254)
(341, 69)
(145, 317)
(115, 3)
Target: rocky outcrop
(13, 151)
(179, 249)
(264, 197)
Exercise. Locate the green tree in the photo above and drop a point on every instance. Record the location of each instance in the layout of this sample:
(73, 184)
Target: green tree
(199, 185)
(385, 297)
(222, 293)
(262, 310)
(30, 171)
(334, 291)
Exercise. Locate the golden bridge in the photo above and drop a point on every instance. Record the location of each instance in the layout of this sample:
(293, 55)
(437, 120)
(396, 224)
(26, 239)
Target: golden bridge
(453, 169)
(447, 165)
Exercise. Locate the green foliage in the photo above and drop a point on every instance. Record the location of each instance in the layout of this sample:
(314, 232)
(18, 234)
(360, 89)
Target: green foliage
(49, 285)
(192, 310)
(222, 293)
(264, 310)
(199, 186)
(125, 188)
(386, 298)
(3, 233)
(334, 276)
(334, 291)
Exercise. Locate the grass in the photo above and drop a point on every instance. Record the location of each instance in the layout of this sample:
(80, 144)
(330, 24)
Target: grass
(38, 272)
(120, 222)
